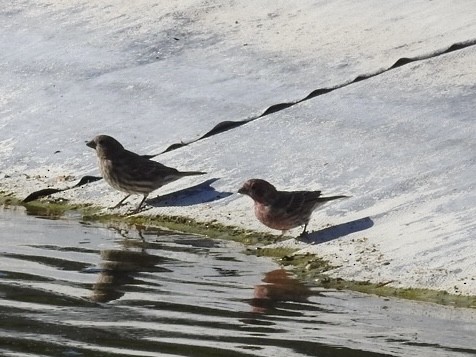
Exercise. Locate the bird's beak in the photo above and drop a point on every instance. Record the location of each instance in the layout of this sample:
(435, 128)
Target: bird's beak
(91, 144)
(243, 190)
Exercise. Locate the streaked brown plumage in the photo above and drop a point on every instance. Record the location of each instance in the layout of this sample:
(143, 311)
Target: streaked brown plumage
(131, 173)
(283, 210)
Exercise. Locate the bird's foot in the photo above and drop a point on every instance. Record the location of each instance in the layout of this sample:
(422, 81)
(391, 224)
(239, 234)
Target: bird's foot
(133, 211)
(119, 205)
(303, 237)
(138, 210)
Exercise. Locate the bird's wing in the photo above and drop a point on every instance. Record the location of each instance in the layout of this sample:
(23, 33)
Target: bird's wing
(293, 201)
(142, 167)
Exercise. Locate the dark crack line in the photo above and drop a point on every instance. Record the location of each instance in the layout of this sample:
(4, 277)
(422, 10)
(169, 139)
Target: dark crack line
(228, 125)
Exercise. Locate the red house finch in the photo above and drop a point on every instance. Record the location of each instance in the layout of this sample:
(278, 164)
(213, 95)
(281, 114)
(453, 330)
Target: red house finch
(280, 209)
(129, 172)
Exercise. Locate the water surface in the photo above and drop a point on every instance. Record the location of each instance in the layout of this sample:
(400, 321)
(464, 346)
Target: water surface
(70, 288)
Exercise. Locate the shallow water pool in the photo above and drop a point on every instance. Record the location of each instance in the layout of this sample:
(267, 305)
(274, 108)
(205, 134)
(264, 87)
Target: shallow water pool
(70, 288)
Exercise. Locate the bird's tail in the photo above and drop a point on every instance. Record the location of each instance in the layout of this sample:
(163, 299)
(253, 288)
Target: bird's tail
(325, 199)
(191, 173)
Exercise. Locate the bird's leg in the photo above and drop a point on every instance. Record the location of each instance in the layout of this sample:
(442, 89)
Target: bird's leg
(304, 233)
(121, 201)
(142, 237)
(140, 204)
(283, 232)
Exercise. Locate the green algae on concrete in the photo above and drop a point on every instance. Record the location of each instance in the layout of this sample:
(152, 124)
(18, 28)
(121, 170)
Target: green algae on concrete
(90, 213)
(46, 208)
(190, 226)
(314, 269)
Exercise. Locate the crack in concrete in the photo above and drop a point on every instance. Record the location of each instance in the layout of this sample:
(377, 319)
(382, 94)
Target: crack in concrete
(228, 125)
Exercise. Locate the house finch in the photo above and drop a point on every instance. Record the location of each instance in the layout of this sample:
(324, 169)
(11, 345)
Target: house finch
(129, 172)
(281, 209)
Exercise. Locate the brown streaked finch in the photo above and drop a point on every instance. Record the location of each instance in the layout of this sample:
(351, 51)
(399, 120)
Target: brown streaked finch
(131, 173)
(283, 210)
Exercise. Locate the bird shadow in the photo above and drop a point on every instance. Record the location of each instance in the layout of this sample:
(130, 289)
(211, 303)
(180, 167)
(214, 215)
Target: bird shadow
(201, 193)
(330, 233)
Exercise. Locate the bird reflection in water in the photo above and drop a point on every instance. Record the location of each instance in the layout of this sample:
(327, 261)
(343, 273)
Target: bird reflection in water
(119, 267)
(280, 286)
